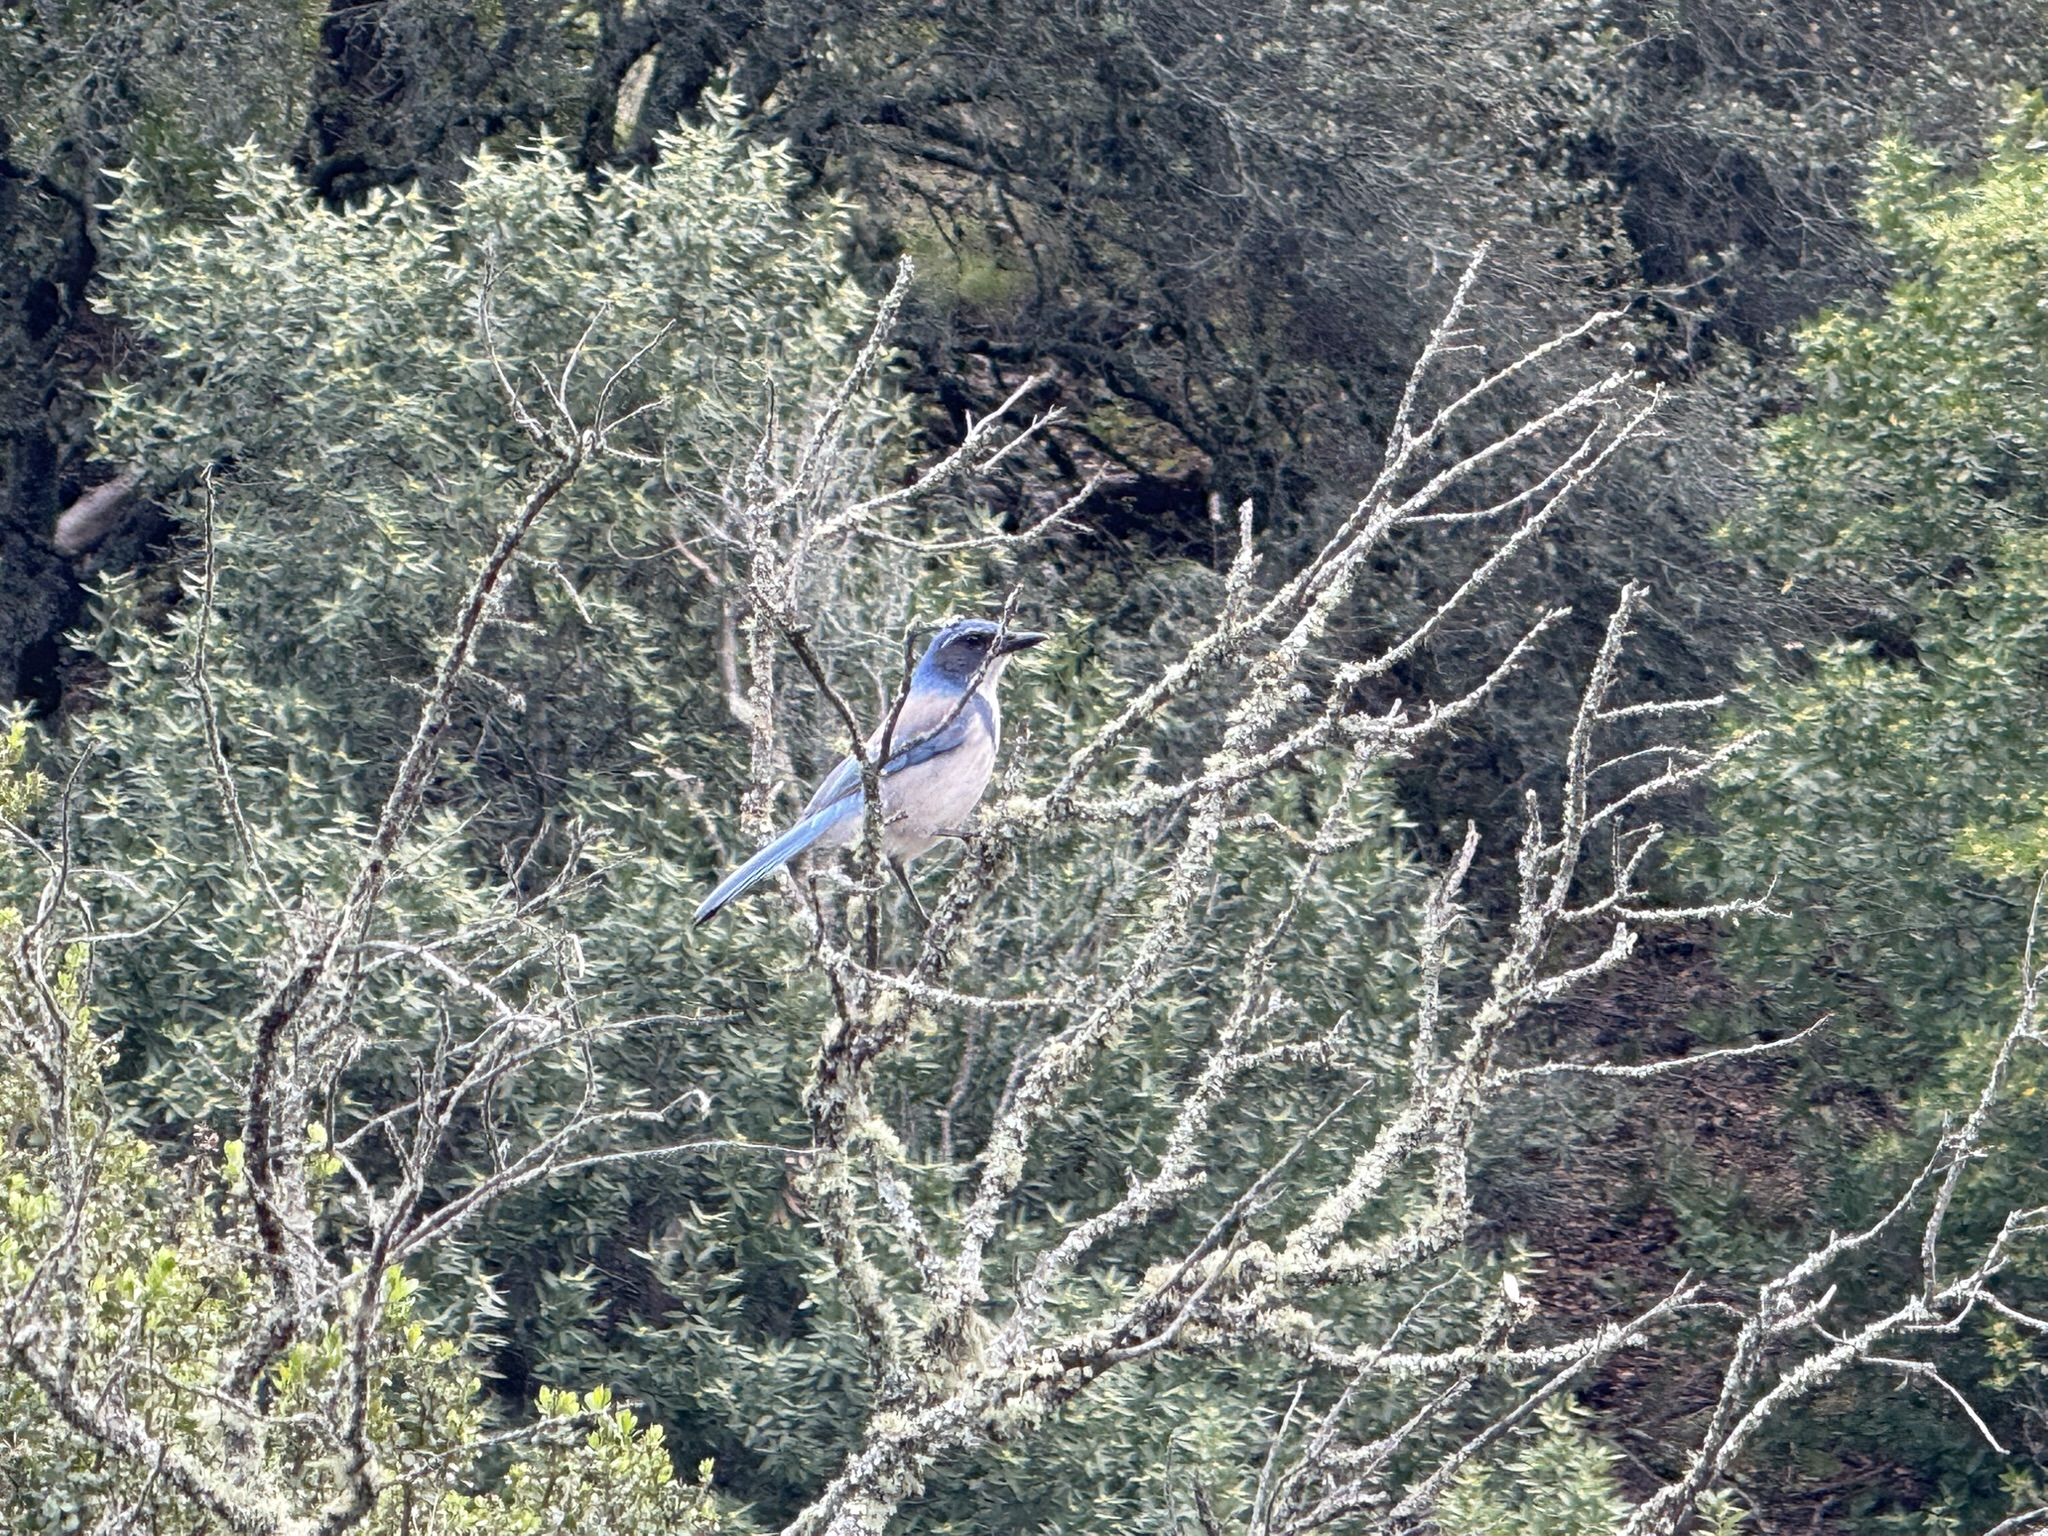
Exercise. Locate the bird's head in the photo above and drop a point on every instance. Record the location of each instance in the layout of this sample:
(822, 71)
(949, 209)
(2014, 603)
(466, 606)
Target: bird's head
(968, 647)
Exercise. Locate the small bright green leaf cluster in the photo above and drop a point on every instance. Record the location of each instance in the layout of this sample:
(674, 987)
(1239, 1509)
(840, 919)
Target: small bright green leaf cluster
(21, 789)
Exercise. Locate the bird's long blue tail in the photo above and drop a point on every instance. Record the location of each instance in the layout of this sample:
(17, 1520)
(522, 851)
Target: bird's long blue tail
(772, 858)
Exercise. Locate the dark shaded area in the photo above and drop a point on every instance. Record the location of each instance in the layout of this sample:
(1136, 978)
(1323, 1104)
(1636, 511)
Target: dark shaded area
(1164, 212)
(46, 265)
(406, 94)
(1619, 1191)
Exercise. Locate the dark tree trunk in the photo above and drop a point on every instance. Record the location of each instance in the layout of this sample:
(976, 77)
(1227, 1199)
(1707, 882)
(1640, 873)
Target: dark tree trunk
(46, 260)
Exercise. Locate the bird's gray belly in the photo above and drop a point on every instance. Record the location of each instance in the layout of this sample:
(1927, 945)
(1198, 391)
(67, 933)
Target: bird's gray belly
(923, 805)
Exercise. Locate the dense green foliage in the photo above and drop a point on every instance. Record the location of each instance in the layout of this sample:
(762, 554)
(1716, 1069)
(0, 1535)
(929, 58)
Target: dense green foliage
(1899, 797)
(338, 368)
(1219, 225)
(164, 1260)
(336, 406)
(1904, 789)
(1560, 1483)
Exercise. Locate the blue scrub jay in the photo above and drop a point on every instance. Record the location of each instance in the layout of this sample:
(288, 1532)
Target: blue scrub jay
(941, 753)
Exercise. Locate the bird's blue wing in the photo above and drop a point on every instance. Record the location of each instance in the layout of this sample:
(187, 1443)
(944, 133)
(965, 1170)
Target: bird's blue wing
(839, 783)
(914, 747)
(922, 747)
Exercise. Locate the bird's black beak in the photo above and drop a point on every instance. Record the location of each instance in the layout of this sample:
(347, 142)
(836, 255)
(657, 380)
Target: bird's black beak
(1019, 640)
